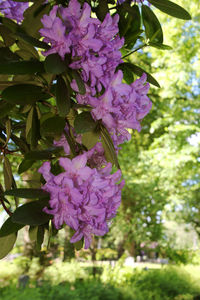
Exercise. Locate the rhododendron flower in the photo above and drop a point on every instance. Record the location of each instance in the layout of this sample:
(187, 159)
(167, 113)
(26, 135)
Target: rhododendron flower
(82, 197)
(13, 10)
(94, 46)
(121, 106)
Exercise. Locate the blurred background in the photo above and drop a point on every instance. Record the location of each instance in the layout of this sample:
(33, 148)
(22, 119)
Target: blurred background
(152, 250)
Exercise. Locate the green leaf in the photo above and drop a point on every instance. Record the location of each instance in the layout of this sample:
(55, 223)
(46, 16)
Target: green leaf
(32, 213)
(33, 230)
(21, 67)
(152, 25)
(53, 126)
(79, 81)
(9, 227)
(40, 237)
(6, 56)
(7, 36)
(43, 154)
(138, 71)
(171, 9)
(35, 129)
(27, 193)
(7, 172)
(133, 29)
(25, 165)
(24, 94)
(5, 108)
(32, 18)
(108, 146)
(54, 64)
(7, 243)
(102, 10)
(160, 46)
(84, 123)
(32, 41)
(89, 139)
(62, 97)
(11, 25)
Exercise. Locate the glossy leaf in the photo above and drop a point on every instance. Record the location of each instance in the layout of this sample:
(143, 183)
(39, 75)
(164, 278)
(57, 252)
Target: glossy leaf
(24, 94)
(62, 97)
(25, 165)
(7, 243)
(89, 139)
(84, 123)
(32, 18)
(21, 67)
(33, 230)
(79, 81)
(152, 25)
(43, 154)
(7, 172)
(53, 126)
(27, 193)
(31, 213)
(171, 9)
(109, 148)
(5, 108)
(54, 64)
(9, 227)
(138, 71)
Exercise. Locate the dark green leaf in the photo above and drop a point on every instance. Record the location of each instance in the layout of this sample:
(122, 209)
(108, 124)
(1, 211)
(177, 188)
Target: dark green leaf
(54, 64)
(24, 94)
(31, 213)
(33, 230)
(9, 227)
(7, 172)
(21, 67)
(62, 97)
(84, 123)
(43, 154)
(109, 148)
(6, 56)
(152, 26)
(160, 46)
(33, 41)
(7, 243)
(5, 108)
(7, 36)
(138, 71)
(171, 9)
(79, 81)
(32, 19)
(25, 165)
(35, 129)
(27, 193)
(11, 25)
(53, 126)
(40, 237)
(21, 143)
(89, 139)
(102, 10)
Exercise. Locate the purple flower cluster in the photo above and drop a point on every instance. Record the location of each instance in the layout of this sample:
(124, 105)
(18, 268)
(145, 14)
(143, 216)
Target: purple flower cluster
(82, 197)
(94, 46)
(86, 195)
(13, 10)
(121, 106)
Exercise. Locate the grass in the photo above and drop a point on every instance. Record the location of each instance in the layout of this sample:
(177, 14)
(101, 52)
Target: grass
(73, 281)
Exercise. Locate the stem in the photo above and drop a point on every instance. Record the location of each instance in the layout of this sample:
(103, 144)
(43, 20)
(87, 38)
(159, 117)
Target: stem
(5, 208)
(140, 47)
(2, 202)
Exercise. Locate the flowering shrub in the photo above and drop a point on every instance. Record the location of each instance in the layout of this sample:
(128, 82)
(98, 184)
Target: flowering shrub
(66, 99)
